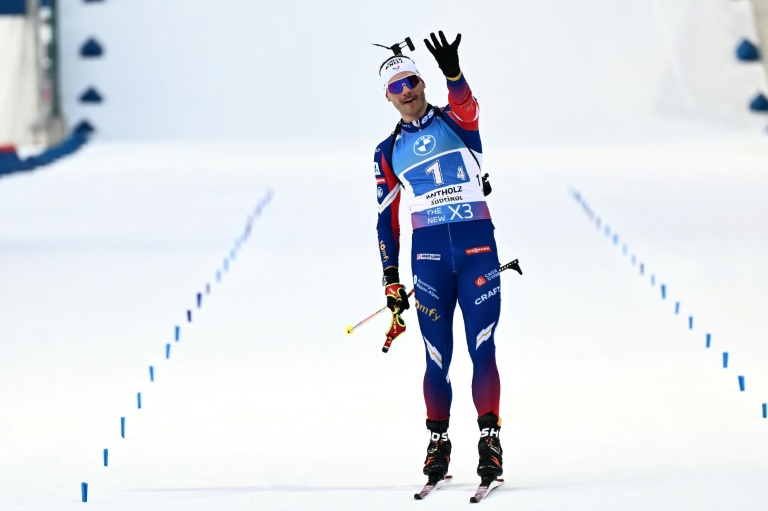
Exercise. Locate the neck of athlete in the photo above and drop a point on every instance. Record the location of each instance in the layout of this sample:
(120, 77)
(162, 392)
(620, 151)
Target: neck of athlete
(410, 118)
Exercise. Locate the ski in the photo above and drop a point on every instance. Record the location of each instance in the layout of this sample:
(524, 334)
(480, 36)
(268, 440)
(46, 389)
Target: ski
(487, 485)
(434, 483)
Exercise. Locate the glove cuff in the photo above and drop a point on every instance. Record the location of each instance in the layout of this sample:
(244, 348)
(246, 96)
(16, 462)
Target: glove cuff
(391, 276)
(454, 78)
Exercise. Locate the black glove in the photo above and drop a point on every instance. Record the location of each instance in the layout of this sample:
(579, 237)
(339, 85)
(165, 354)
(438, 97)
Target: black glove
(446, 55)
(397, 296)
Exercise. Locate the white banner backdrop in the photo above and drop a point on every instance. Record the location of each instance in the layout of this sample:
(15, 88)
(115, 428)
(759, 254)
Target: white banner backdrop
(19, 89)
(301, 69)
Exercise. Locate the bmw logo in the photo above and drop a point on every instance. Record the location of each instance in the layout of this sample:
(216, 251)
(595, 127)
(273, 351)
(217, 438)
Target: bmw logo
(424, 145)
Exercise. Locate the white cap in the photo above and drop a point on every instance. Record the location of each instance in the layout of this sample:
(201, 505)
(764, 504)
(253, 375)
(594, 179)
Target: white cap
(394, 65)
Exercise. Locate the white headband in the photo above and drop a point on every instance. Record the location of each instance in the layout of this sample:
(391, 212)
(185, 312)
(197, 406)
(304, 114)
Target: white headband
(395, 65)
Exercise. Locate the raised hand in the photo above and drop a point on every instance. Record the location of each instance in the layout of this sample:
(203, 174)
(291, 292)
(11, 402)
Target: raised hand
(446, 54)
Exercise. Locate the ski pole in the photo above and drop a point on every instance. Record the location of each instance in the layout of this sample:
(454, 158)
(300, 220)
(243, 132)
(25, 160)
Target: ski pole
(351, 329)
(515, 265)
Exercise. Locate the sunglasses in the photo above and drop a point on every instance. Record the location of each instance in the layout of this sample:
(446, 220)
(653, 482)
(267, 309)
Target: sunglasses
(409, 81)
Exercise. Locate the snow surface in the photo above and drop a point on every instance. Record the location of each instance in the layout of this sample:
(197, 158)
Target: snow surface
(608, 400)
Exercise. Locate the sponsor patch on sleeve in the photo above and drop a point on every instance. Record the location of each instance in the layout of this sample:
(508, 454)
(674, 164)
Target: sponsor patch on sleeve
(429, 257)
(478, 250)
(376, 169)
(381, 180)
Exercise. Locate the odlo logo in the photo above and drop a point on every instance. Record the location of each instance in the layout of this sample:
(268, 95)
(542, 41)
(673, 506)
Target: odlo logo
(440, 436)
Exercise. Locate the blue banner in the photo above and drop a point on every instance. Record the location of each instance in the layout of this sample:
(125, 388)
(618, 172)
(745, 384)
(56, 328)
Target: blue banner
(18, 7)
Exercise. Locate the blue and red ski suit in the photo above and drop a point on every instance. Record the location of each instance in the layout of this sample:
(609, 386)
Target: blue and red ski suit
(436, 162)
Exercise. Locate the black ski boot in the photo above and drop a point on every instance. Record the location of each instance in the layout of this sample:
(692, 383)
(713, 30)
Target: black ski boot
(438, 451)
(489, 447)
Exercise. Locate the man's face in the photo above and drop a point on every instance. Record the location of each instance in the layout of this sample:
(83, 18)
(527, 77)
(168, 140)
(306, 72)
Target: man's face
(411, 103)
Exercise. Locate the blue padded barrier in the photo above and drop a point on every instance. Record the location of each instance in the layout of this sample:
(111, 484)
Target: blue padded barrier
(91, 95)
(91, 49)
(759, 104)
(747, 51)
(10, 163)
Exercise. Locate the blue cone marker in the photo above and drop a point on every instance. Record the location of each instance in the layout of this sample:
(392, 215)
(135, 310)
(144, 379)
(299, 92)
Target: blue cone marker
(218, 276)
(725, 359)
(709, 340)
(642, 268)
(189, 316)
(207, 289)
(84, 491)
(765, 410)
(677, 307)
(106, 457)
(634, 260)
(138, 400)
(176, 333)
(226, 264)
(199, 299)
(690, 322)
(151, 373)
(624, 249)
(741, 383)
(663, 292)
(653, 280)
(615, 239)
(122, 427)
(167, 351)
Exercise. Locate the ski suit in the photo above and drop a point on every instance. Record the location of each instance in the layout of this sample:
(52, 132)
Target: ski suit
(436, 161)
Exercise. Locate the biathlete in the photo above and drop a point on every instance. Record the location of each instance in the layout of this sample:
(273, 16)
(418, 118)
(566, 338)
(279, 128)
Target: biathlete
(434, 157)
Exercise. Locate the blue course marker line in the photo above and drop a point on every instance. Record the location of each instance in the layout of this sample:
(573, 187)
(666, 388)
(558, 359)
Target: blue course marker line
(177, 329)
(614, 237)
